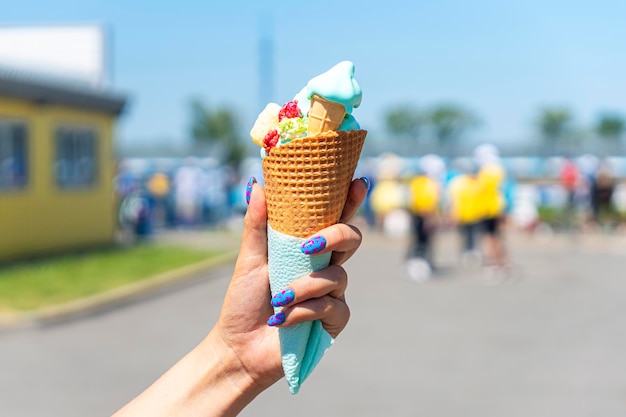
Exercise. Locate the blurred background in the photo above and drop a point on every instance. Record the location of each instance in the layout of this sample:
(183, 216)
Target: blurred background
(128, 122)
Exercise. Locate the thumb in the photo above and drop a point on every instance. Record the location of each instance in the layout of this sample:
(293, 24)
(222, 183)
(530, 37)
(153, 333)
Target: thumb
(247, 300)
(253, 250)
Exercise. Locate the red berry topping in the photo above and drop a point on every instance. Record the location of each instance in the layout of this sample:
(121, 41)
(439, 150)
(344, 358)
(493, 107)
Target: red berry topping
(271, 140)
(290, 110)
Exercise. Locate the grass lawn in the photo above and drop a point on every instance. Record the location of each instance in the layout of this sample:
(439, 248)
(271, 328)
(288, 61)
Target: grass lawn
(40, 283)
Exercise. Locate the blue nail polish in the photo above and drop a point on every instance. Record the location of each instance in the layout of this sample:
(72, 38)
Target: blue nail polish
(276, 319)
(283, 298)
(367, 182)
(313, 245)
(251, 182)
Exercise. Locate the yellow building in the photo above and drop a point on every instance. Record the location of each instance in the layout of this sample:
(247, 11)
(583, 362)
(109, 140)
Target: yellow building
(56, 165)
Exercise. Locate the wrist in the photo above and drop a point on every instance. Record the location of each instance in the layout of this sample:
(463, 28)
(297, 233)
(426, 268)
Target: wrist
(226, 376)
(209, 381)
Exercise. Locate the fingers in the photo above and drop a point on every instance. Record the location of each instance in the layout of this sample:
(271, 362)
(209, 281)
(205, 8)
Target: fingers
(330, 281)
(341, 239)
(333, 313)
(249, 283)
(318, 296)
(356, 195)
(254, 237)
(321, 295)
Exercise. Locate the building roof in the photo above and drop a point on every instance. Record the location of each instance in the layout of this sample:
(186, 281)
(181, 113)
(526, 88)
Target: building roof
(48, 89)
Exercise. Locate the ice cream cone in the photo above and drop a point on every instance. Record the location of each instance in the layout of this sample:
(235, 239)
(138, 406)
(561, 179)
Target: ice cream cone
(306, 185)
(324, 115)
(307, 181)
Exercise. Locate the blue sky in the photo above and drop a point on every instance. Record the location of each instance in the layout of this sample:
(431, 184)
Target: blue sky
(503, 60)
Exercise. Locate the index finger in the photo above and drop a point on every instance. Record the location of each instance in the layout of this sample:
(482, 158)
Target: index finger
(356, 196)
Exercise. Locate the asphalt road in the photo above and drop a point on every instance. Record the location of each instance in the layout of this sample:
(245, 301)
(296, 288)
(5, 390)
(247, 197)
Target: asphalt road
(551, 342)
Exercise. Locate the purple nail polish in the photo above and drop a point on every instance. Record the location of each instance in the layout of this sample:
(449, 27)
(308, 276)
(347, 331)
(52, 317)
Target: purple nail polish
(251, 182)
(313, 245)
(283, 298)
(276, 319)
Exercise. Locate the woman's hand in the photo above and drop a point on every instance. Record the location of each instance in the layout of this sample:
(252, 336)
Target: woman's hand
(241, 355)
(243, 329)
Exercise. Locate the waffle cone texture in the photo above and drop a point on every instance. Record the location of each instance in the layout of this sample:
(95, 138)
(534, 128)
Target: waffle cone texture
(307, 181)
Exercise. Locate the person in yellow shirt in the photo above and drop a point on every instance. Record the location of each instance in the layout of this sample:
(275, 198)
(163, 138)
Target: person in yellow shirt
(423, 204)
(491, 177)
(387, 195)
(158, 187)
(465, 210)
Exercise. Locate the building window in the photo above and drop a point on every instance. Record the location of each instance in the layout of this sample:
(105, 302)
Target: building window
(76, 157)
(13, 155)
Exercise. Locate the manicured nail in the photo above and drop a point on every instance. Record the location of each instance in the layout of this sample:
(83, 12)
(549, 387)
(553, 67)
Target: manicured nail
(313, 245)
(276, 319)
(367, 182)
(251, 182)
(283, 298)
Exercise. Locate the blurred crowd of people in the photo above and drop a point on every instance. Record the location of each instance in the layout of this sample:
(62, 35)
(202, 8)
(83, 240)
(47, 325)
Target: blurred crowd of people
(591, 188)
(472, 196)
(191, 193)
(477, 196)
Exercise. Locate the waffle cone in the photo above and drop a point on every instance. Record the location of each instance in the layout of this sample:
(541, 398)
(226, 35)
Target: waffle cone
(307, 181)
(324, 116)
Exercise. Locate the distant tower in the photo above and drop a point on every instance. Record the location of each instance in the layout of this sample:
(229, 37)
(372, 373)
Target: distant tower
(266, 60)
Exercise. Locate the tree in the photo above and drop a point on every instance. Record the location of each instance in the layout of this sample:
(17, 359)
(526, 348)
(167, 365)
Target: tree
(610, 127)
(217, 128)
(449, 122)
(554, 126)
(404, 123)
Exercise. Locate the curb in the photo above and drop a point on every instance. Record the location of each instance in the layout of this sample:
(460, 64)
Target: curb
(110, 298)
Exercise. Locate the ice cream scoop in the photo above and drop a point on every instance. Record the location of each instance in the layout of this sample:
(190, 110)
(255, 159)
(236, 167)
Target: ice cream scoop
(266, 121)
(337, 85)
(325, 104)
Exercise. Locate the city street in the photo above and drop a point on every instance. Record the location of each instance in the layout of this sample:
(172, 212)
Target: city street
(548, 342)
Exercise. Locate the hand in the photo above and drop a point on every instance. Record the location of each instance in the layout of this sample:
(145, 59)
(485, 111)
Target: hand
(242, 328)
(241, 355)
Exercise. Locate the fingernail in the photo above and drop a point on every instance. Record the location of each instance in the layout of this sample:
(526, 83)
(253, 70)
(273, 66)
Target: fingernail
(367, 182)
(251, 182)
(313, 245)
(276, 319)
(283, 298)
